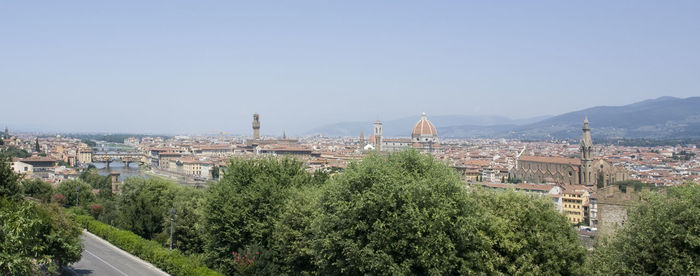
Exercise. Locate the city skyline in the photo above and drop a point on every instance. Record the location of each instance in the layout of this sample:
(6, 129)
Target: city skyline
(173, 137)
(179, 68)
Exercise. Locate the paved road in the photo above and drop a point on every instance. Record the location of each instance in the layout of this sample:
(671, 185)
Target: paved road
(102, 258)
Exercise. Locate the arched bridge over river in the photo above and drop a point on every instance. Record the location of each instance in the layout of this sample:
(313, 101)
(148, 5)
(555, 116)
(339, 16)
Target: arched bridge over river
(125, 157)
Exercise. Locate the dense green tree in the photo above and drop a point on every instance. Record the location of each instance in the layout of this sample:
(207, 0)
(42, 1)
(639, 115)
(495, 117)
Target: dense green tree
(660, 237)
(89, 142)
(404, 213)
(292, 236)
(242, 207)
(32, 233)
(16, 152)
(60, 235)
(634, 184)
(144, 205)
(188, 235)
(215, 173)
(38, 189)
(36, 145)
(527, 235)
(95, 180)
(110, 212)
(68, 191)
(320, 177)
(9, 185)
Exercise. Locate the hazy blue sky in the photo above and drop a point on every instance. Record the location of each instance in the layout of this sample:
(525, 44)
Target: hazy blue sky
(198, 66)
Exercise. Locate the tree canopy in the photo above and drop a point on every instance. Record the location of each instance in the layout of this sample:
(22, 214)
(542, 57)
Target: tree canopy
(407, 213)
(68, 192)
(9, 185)
(38, 189)
(16, 152)
(403, 213)
(293, 234)
(95, 180)
(242, 207)
(661, 236)
(527, 235)
(188, 205)
(32, 233)
(144, 205)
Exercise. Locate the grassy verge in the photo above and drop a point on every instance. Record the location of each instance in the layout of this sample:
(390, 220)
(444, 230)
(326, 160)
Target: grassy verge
(173, 262)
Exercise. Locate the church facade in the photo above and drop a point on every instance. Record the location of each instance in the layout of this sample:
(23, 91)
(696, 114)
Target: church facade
(584, 171)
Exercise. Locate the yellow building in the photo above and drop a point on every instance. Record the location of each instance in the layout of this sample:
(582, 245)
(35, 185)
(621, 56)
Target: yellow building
(85, 155)
(574, 203)
(192, 166)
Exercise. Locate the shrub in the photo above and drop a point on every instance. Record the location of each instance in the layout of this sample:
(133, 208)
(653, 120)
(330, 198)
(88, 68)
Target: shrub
(60, 199)
(96, 210)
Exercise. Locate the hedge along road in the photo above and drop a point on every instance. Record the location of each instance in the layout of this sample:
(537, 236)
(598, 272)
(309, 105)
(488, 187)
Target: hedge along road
(102, 258)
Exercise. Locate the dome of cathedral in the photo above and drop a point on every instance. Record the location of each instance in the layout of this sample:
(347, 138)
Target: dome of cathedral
(424, 128)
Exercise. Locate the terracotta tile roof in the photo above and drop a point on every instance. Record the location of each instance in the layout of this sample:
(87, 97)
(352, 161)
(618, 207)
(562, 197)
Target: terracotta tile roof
(424, 128)
(549, 159)
(36, 159)
(525, 186)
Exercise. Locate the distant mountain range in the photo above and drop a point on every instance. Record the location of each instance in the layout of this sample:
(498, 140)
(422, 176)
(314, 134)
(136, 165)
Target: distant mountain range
(402, 127)
(662, 118)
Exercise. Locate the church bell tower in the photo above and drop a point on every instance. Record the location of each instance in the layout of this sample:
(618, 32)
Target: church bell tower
(378, 135)
(586, 155)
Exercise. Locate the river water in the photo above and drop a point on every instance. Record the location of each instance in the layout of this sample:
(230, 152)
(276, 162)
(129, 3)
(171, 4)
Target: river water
(132, 171)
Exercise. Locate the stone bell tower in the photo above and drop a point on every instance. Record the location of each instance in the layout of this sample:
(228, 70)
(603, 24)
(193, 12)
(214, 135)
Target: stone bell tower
(586, 155)
(378, 135)
(256, 126)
